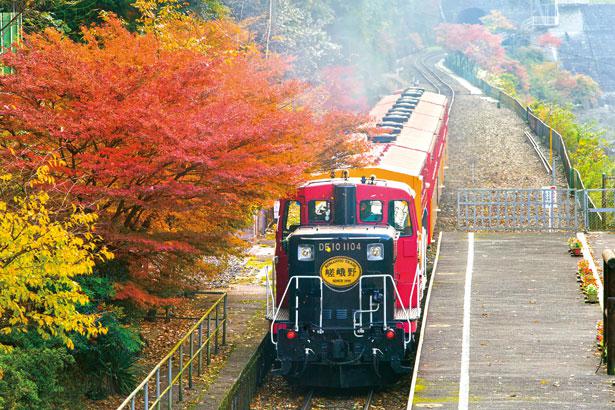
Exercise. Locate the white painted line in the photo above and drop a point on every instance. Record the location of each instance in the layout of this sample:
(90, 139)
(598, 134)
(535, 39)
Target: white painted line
(462, 81)
(464, 376)
(587, 255)
(423, 323)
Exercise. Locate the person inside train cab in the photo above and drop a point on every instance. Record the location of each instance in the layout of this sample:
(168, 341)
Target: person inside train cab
(371, 211)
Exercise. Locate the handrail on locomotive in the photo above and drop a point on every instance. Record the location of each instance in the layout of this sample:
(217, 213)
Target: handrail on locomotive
(358, 325)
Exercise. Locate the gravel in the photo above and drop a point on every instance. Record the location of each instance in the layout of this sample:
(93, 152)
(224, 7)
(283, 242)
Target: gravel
(487, 148)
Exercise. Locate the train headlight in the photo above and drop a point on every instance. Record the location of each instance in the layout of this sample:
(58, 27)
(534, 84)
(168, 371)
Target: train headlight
(305, 253)
(375, 252)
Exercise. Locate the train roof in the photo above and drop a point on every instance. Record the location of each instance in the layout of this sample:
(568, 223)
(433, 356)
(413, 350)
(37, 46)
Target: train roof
(416, 140)
(382, 106)
(403, 159)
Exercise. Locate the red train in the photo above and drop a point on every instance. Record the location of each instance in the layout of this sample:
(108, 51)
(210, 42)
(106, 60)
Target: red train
(350, 254)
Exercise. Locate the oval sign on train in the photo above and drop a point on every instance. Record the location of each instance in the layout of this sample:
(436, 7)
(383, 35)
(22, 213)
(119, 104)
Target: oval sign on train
(340, 271)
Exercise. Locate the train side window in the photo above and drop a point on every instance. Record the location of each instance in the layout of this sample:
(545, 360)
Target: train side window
(319, 211)
(399, 217)
(371, 211)
(292, 216)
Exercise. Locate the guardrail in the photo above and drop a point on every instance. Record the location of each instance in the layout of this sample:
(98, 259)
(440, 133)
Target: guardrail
(467, 69)
(152, 386)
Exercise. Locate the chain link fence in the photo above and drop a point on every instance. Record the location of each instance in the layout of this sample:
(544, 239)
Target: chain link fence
(536, 209)
(598, 209)
(517, 210)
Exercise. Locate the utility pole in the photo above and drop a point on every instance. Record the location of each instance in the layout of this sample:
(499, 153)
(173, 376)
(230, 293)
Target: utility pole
(269, 28)
(551, 157)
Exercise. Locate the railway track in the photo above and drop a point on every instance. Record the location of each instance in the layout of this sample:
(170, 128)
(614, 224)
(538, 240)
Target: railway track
(425, 66)
(543, 159)
(327, 401)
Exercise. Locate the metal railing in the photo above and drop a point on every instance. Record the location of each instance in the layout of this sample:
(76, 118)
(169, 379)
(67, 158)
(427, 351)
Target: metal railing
(12, 25)
(598, 218)
(469, 69)
(293, 315)
(517, 209)
(153, 390)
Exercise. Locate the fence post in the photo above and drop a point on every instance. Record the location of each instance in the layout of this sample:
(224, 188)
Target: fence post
(170, 384)
(586, 209)
(180, 393)
(224, 313)
(200, 350)
(216, 331)
(608, 313)
(603, 203)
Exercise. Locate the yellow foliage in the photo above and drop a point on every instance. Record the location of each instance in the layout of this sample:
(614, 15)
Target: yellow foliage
(41, 253)
(177, 30)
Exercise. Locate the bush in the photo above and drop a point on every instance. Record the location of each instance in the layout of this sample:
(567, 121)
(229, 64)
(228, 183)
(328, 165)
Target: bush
(107, 363)
(33, 378)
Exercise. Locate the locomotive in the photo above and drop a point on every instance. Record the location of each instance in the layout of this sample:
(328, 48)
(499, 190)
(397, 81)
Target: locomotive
(350, 260)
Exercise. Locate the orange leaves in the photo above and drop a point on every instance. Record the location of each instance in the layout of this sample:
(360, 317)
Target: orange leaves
(474, 40)
(130, 291)
(481, 46)
(549, 40)
(175, 135)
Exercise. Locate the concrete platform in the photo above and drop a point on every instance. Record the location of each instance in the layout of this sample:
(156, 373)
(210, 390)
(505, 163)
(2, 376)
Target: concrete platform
(246, 330)
(530, 338)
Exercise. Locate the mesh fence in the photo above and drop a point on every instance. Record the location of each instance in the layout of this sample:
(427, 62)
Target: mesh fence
(468, 70)
(517, 210)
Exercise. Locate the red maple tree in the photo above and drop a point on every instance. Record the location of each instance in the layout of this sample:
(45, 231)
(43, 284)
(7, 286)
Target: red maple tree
(549, 40)
(174, 147)
(479, 44)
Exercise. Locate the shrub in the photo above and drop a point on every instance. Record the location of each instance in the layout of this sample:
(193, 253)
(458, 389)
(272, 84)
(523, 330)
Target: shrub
(33, 378)
(107, 363)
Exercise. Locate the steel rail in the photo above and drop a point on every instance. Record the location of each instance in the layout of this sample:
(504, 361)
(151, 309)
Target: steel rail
(307, 402)
(426, 77)
(424, 62)
(541, 156)
(368, 403)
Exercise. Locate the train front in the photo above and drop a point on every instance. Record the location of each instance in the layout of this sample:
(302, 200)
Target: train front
(340, 319)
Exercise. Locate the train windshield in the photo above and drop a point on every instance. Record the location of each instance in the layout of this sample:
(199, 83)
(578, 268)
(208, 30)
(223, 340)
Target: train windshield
(319, 211)
(292, 217)
(371, 211)
(399, 217)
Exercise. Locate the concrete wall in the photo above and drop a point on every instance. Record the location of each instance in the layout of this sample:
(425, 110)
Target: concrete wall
(589, 42)
(570, 22)
(515, 10)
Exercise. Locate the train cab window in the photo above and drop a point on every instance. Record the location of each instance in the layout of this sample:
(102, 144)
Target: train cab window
(399, 217)
(319, 211)
(292, 216)
(371, 211)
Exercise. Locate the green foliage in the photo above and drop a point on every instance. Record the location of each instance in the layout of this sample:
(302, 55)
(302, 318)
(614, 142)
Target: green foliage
(529, 56)
(591, 161)
(550, 82)
(107, 365)
(584, 142)
(507, 82)
(33, 378)
(209, 9)
(69, 15)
